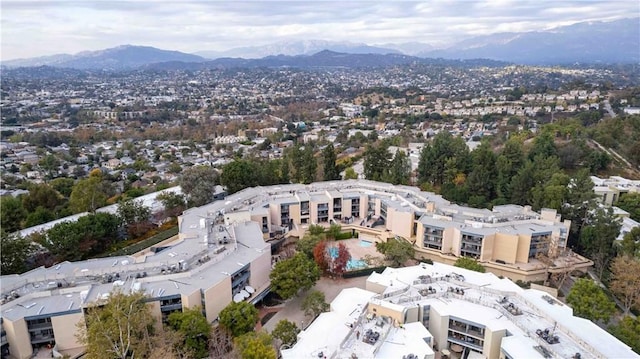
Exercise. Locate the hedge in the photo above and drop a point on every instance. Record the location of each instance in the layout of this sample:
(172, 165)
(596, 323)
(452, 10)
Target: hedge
(146, 243)
(363, 272)
(346, 235)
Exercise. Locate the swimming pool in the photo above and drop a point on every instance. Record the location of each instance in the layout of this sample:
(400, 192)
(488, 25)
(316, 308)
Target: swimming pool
(352, 264)
(364, 243)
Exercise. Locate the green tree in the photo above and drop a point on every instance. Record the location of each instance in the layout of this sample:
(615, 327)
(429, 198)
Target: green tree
(399, 169)
(89, 235)
(198, 184)
(508, 163)
(307, 243)
(589, 301)
(376, 162)
(580, 200)
(291, 275)
(309, 164)
(41, 195)
(334, 231)
(443, 159)
(14, 250)
(90, 193)
(255, 346)
(12, 213)
(63, 185)
(469, 263)
(314, 304)
(482, 178)
(135, 217)
(630, 245)
(172, 202)
(628, 331)
(50, 164)
(329, 164)
(239, 174)
(397, 251)
(39, 216)
(194, 328)
(239, 318)
(350, 173)
(597, 238)
(630, 202)
(625, 282)
(286, 332)
(544, 146)
(119, 328)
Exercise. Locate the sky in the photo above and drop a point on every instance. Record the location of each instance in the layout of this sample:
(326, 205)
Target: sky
(30, 28)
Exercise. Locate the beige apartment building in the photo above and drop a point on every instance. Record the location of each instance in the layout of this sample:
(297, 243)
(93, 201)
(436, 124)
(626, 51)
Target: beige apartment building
(223, 253)
(428, 311)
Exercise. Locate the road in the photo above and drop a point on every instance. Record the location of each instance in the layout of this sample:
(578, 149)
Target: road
(607, 107)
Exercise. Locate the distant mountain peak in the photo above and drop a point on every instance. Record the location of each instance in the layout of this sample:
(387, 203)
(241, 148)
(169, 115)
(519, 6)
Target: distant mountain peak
(586, 42)
(115, 58)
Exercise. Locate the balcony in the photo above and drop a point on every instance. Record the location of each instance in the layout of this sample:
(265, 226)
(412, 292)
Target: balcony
(474, 333)
(39, 326)
(42, 338)
(465, 342)
(171, 307)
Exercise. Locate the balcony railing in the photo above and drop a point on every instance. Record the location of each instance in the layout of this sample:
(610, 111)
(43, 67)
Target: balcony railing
(171, 307)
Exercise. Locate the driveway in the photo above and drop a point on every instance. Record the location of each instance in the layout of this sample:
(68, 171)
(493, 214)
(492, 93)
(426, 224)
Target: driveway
(292, 310)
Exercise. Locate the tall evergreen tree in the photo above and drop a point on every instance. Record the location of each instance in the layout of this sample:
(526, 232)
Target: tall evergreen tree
(597, 237)
(400, 169)
(329, 164)
(376, 162)
(481, 179)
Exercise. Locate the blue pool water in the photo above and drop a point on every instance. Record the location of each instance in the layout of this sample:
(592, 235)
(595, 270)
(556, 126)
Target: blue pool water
(356, 264)
(352, 264)
(364, 243)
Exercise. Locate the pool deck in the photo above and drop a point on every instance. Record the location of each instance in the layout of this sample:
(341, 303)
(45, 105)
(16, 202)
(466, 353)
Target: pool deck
(359, 252)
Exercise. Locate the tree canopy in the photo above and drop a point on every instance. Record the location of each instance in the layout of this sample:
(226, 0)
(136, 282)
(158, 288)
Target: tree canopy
(291, 275)
(198, 184)
(589, 301)
(14, 249)
(194, 328)
(12, 213)
(329, 168)
(625, 281)
(286, 332)
(628, 331)
(397, 251)
(469, 263)
(239, 318)
(630, 202)
(255, 346)
(598, 236)
(314, 304)
(120, 328)
(90, 193)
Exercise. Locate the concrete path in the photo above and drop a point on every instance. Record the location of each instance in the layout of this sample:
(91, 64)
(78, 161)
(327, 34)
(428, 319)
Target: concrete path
(292, 310)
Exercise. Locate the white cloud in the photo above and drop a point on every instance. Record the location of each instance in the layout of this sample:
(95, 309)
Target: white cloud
(32, 28)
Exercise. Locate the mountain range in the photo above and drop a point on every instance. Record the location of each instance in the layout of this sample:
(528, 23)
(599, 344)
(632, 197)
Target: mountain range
(586, 42)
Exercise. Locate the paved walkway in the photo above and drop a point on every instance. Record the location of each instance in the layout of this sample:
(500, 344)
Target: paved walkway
(292, 310)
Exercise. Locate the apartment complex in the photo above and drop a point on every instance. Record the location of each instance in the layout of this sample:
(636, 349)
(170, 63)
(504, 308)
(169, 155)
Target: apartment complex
(609, 190)
(418, 312)
(211, 263)
(223, 253)
(508, 240)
